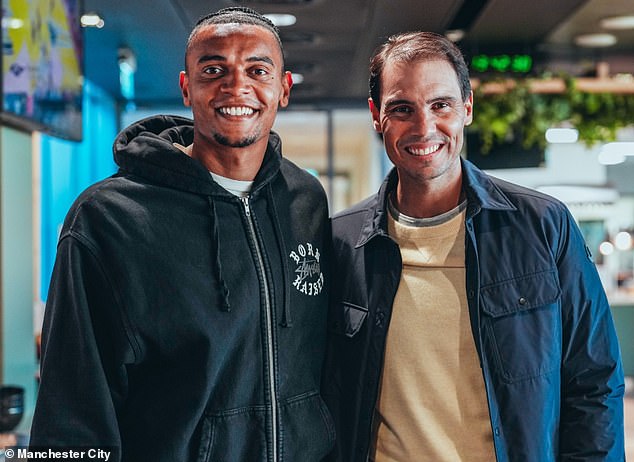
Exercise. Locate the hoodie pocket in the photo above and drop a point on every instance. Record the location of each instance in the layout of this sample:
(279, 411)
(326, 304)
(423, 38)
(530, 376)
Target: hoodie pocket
(522, 325)
(308, 432)
(234, 436)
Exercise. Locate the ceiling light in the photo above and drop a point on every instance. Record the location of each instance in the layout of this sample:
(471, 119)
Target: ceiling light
(127, 68)
(562, 135)
(92, 20)
(455, 35)
(595, 40)
(281, 19)
(618, 22)
(297, 78)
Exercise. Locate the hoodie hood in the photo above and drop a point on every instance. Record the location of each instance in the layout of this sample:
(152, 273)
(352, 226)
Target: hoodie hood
(146, 149)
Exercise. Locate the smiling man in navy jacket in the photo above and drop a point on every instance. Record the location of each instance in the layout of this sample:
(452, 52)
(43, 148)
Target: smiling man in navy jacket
(186, 319)
(468, 320)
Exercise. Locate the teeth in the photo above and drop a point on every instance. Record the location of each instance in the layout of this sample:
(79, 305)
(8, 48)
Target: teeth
(236, 111)
(424, 152)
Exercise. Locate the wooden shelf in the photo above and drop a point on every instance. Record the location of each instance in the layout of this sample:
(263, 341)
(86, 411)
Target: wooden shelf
(585, 84)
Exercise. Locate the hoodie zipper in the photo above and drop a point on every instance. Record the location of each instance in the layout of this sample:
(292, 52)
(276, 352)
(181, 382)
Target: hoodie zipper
(269, 324)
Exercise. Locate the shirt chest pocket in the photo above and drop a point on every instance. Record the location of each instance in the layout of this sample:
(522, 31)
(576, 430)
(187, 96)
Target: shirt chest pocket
(521, 325)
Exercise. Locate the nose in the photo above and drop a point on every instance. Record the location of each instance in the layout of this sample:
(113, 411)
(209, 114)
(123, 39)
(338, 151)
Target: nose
(236, 83)
(425, 122)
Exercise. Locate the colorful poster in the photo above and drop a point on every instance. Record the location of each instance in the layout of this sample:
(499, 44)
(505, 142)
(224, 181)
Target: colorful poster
(42, 64)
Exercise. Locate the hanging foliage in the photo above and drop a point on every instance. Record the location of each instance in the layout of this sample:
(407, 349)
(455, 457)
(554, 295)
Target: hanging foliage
(517, 112)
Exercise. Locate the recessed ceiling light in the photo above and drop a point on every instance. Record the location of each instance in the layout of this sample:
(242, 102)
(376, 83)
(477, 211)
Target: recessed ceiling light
(281, 19)
(92, 20)
(595, 40)
(618, 22)
(297, 78)
(455, 35)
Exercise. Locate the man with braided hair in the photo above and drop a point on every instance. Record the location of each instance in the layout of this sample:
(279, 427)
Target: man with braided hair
(187, 311)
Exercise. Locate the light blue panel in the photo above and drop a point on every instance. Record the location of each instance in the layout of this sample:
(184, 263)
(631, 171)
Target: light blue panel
(624, 321)
(16, 272)
(70, 167)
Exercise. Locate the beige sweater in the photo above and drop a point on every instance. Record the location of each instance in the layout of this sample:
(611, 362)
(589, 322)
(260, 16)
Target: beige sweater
(432, 404)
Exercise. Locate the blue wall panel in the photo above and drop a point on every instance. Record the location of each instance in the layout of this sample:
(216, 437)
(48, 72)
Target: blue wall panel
(68, 167)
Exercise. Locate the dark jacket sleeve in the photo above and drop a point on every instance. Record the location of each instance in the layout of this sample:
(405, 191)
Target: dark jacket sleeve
(591, 427)
(83, 381)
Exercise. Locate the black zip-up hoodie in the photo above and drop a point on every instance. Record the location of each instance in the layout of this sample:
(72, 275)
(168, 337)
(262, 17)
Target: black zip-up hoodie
(183, 323)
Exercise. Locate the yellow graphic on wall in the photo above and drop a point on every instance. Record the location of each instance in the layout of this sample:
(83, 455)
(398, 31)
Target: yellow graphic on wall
(41, 54)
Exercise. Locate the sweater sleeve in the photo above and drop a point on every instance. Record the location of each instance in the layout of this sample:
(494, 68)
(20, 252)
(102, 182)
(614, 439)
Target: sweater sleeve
(591, 427)
(83, 379)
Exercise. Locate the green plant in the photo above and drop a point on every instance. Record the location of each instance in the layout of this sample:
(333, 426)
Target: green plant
(500, 117)
(497, 115)
(598, 116)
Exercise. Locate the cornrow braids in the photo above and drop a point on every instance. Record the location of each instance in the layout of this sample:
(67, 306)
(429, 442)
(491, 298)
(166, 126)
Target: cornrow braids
(239, 15)
(234, 15)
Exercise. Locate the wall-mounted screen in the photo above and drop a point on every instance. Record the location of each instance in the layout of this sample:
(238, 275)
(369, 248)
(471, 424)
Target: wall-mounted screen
(42, 66)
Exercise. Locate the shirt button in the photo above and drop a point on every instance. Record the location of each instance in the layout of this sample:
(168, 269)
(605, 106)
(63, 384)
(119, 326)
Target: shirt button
(380, 317)
(497, 431)
(471, 294)
(522, 301)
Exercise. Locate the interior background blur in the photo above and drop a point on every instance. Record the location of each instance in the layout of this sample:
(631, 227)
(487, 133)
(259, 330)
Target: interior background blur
(133, 52)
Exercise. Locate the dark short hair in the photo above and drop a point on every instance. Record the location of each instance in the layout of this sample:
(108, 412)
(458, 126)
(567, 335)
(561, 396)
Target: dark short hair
(235, 15)
(414, 46)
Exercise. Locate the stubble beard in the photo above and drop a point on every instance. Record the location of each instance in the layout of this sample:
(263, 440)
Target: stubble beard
(241, 143)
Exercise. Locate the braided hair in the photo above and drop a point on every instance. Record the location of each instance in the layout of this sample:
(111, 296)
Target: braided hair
(235, 15)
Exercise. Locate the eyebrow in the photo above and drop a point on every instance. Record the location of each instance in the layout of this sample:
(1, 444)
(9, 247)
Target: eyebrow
(265, 59)
(443, 98)
(252, 59)
(398, 102)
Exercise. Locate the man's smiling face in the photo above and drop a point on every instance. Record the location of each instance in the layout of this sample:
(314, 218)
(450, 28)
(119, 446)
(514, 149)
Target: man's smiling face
(422, 119)
(234, 83)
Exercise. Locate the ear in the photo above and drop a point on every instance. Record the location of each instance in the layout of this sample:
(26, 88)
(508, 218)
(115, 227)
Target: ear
(375, 112)
(183, 81)
(468, 106)
(287, 83)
